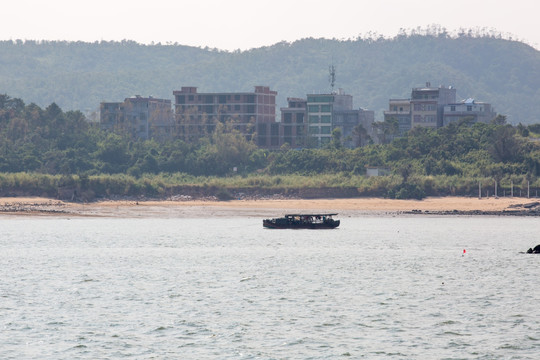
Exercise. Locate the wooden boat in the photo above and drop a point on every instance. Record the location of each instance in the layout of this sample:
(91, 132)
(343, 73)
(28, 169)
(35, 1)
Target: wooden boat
(302, 221)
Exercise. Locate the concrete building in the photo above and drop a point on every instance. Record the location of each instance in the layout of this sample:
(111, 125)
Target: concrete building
(141, 117)
(400, 109)
(348, 121)
(309, 123)
(326, 112)
(476, 111)
(427, 105)
(249, 112)
(320, 113)
(293, 126)
(435, 107)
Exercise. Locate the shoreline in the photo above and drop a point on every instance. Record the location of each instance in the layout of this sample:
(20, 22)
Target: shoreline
(451, 206)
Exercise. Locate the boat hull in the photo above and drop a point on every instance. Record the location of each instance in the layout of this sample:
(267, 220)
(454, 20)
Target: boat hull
(272, 224)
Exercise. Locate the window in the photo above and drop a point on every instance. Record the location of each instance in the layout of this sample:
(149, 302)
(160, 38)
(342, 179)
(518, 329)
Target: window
(222, 99)
(320, 99)
(313, 108)
(299, 118)
(208, 99)
(274, 129)
(251, 99)
(469, 108)
(287, 118)
(325, 129)
(326, 119)
(452, 108)
(236, 107)
(180, 99)
(326, 108)
(313, 130)
(313, 119)
(251, 109)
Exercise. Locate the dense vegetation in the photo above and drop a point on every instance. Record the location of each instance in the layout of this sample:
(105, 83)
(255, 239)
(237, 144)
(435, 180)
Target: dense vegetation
(78, 76)
(45, 151)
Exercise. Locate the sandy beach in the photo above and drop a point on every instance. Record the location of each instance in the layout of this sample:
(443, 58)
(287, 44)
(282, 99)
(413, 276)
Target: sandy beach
(258, 208)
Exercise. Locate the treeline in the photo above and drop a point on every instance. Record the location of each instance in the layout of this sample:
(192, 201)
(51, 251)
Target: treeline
(43, 151)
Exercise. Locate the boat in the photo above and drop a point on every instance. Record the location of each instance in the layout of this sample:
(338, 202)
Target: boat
(302, 221)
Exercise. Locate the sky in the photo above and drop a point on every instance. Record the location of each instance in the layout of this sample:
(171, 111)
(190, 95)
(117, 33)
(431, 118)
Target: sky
(245, 24)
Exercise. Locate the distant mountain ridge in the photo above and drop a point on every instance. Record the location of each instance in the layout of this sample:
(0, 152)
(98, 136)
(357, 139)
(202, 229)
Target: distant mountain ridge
(78, 75)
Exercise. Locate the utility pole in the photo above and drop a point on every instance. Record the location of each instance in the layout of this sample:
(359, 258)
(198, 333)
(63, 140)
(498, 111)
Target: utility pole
(479, 190)
(512, 188)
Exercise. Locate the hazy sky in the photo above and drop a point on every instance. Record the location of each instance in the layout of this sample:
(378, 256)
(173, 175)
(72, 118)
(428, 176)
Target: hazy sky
(245, 24)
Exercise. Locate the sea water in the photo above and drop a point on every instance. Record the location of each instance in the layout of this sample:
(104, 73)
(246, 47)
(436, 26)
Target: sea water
(402, 287)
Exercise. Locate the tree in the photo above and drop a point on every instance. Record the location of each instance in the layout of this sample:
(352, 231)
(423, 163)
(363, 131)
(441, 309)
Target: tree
(360, 135)
(505, 147)
(499, 120)
(336, 138)
(387, 129)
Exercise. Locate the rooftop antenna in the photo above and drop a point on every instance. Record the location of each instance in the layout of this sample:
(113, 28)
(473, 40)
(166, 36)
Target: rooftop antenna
(332, 76)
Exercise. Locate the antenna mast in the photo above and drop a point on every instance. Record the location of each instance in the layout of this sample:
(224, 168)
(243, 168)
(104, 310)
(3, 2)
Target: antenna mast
(332, 76)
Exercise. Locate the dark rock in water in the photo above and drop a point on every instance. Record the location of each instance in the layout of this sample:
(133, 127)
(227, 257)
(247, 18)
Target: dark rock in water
(536, 250)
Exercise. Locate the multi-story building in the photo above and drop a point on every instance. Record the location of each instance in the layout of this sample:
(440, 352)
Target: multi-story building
(141, 117)
(356, 126)
(400, 109)
(427, 105)
(309, 123)
(476, 111)
(435, 107)
(320, 112)
(304, 122)
(249, 112)
(293, 126)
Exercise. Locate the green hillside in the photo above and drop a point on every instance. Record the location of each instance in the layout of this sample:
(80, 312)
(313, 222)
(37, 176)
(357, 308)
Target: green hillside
(78, 76)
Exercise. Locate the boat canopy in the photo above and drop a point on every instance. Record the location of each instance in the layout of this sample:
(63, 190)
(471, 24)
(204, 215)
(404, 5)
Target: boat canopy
(293, 215)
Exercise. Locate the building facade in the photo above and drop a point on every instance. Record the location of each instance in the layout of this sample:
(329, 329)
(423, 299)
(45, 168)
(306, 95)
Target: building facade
(400, 110)
(427, 105)
(250, 113)
(435, 107)
(310, 122)
(141, 117)
(475, 111)
(293, 125)
(356, 126)
(305, 122)
(326, 112)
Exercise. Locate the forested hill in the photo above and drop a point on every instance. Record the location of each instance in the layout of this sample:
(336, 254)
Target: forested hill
(78, 76)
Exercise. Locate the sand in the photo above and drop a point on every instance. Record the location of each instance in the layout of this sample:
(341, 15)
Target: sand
(258, 208)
